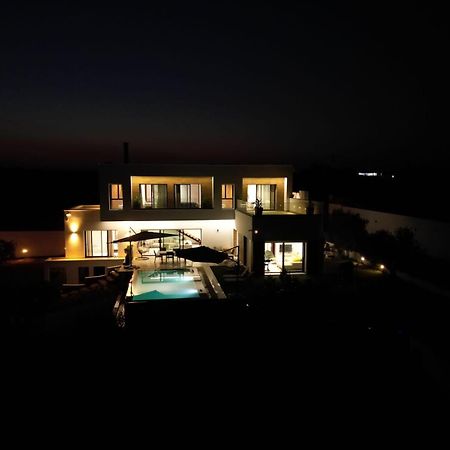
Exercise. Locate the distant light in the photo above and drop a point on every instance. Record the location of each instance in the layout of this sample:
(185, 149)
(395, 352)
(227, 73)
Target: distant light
(382, 266)
(362, 258)
(392, 176)
(369, 174)
(256, 231)
(24, 250)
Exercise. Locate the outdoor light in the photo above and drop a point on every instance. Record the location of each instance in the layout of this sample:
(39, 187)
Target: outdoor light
(256, 231)
(362, 258)
(382, 266)
(67, 214)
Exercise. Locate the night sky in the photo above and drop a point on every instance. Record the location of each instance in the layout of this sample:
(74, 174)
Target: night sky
(309, 83)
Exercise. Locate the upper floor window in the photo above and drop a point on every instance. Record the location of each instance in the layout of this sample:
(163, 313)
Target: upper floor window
(153, 195)
(188, 196)
(99, 243)
(264, 192)
(115, 196)
(227, 196)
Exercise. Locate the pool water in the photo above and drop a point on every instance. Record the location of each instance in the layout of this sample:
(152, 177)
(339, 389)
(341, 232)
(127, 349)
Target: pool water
(167, 285)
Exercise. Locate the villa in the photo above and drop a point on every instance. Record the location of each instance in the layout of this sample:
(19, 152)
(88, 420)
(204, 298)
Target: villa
(209, 205)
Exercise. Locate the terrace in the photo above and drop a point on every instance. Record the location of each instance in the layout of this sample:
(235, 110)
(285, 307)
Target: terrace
(293, 206)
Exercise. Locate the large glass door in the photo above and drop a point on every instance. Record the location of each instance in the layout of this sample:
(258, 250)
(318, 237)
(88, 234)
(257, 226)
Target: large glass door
(284, 256)
(264, 192)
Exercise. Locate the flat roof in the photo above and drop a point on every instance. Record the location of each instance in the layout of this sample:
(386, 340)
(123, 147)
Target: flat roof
(84, 207)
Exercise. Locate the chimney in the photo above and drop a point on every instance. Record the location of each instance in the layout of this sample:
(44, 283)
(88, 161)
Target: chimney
(126, 155)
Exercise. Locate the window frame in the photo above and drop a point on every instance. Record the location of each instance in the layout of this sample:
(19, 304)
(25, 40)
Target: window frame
(117, 197)
(226, 198)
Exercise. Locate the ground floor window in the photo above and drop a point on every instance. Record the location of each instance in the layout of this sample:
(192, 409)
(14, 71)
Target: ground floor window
(288, 256)
(57, 275)
(99, 270)
(83, 272)
(99, 243)
(185, 238)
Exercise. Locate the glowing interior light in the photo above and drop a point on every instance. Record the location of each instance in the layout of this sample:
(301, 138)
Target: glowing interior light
(24, 250)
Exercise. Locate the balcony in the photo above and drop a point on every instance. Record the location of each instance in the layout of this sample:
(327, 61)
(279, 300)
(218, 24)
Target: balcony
(293, 206)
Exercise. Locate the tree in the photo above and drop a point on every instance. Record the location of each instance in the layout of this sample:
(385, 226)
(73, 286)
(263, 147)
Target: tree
(7, 250)
(347, 230)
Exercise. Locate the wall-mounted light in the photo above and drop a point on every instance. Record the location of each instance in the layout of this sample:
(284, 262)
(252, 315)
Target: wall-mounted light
(24, 251)
(73, 227)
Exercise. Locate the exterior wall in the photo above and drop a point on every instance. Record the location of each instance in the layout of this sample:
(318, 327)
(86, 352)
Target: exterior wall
(433, 236)
(221, 174)
(206, 183)
(76, 224)
(295, 228)
(38, 243)
(215, 233)
(244, 227)
(70, 266)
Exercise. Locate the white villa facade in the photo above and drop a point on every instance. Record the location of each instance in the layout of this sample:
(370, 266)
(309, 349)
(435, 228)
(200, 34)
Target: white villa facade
(210, 205)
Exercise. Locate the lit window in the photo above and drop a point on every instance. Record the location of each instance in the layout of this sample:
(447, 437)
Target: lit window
(153, 196)
(227, 196)
(188, 196)
(115, 196)
(99, 243)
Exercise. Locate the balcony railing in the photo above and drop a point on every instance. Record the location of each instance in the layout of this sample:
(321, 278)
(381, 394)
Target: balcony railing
(292, 206)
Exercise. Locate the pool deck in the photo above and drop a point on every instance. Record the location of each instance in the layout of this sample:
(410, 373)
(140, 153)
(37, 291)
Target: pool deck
(208, 281)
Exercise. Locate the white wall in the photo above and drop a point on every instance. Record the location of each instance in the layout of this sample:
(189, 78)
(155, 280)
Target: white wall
(432, 235)
(215, 233)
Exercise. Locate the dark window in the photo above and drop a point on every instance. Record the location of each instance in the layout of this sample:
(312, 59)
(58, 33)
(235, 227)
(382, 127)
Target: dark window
(83, 272)
(57, 275)
(99, 270)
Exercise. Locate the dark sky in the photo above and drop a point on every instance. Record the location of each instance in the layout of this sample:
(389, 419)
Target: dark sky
(306, 83)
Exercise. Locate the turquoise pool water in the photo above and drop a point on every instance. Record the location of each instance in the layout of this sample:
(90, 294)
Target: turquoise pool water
(167, 285)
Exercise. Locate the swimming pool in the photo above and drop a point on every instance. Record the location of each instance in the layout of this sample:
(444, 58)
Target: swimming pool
(168, 284)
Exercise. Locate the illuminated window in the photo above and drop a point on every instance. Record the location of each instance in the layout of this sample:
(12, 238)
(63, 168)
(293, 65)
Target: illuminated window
(188, 196)
(153, 195)
(115, 196)
(264, 192)
(227, 196)
(288, 256)
(99, 243)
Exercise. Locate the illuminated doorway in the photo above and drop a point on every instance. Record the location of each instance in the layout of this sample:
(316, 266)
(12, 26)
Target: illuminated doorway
(288, 256)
